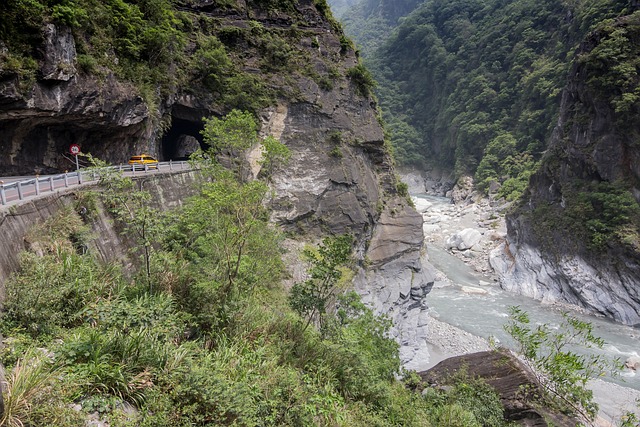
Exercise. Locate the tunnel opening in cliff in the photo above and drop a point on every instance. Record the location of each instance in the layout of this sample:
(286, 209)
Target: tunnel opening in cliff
(41, 145)
(182, 139)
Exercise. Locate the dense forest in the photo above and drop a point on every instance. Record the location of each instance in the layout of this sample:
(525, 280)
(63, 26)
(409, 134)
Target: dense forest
(370, 23)
(476, 86)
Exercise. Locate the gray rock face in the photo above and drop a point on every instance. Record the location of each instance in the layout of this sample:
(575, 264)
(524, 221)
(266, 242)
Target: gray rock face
(186, 145)
(60, 54)
(432, 181)
(543, 257)
(37, 131)
(398, 232)
(398, 280)
(572, 279)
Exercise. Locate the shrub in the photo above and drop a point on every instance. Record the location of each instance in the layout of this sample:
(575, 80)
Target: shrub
(561, 371)
(362, 79)
(51, 291)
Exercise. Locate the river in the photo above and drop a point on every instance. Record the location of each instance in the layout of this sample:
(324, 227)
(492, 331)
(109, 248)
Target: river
(473, 302)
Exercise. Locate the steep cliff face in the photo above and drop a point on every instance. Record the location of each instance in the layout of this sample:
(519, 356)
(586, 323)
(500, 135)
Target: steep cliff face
(293, 67)
(575, 237)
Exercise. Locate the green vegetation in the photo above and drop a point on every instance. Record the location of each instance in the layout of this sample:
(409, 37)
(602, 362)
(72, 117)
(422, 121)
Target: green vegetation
(370, 22)
(598, 213)
(312, 298)
(362, 78)
(613, 66)
(554, 357)
(457, 79)
(201, 332)
(162, 49)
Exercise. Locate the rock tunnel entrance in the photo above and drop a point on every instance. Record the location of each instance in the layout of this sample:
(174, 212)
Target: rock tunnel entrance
(181, 140)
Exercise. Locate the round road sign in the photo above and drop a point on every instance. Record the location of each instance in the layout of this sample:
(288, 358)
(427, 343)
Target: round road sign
(74, 149)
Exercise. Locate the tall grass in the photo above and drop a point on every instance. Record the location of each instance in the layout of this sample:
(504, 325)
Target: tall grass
(27, 381)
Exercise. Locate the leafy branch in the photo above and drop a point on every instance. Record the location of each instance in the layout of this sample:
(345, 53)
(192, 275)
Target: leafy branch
(561, 371)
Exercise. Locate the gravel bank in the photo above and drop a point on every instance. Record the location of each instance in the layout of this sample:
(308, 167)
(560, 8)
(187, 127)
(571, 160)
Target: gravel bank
(447, 341)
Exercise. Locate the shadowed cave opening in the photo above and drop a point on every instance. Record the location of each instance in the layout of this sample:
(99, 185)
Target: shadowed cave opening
(182, 139)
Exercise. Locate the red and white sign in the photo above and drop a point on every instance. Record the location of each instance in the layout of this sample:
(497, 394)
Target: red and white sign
(74, 149)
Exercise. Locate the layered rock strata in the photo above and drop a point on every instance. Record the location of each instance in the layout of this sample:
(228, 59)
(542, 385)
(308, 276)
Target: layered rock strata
(514, 383)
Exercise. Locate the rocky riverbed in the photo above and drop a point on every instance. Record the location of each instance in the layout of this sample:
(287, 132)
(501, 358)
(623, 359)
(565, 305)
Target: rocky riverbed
(469, 230)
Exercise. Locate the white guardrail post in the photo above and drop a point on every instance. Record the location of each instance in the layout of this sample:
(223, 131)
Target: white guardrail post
(36, 183)
(3, 196)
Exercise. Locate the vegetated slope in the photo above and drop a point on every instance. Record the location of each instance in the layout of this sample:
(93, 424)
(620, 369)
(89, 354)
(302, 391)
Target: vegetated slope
(574, 237)
(476, 86)
(120, 77)
(370, 22)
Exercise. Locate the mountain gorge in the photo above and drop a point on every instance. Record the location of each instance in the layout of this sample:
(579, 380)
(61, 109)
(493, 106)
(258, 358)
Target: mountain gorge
(230, 303)
(574, 235)
(535, 102)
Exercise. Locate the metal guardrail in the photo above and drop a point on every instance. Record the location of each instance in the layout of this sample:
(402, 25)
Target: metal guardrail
(25, 189)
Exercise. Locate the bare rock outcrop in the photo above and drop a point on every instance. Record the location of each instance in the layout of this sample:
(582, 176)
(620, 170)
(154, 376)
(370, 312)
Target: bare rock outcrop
(397, 280)
(60, 54)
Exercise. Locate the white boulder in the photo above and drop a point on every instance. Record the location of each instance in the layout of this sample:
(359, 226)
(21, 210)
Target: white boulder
(464, 239)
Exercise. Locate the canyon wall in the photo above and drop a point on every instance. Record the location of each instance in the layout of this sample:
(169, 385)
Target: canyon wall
(314, 97)
(574, 236)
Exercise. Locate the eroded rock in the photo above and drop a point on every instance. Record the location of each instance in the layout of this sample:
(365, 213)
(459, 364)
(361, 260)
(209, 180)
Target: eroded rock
(509, 377)
(59, 54)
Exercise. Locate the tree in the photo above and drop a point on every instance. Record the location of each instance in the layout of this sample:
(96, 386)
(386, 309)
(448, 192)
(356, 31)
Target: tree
(231, 135)
(312, 297)
(274, 155)
(224, 233)
(130, 205)
(562, 371)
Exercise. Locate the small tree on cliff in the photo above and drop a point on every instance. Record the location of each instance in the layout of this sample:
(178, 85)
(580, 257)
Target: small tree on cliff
(314, 296)
(231, 135)
(129, 203)
(236, 133)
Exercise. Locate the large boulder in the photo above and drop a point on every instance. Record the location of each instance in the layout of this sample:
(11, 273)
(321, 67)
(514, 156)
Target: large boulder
(509, 377)
(464, 239)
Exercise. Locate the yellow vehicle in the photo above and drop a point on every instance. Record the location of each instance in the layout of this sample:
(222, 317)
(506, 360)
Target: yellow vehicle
(140, 161)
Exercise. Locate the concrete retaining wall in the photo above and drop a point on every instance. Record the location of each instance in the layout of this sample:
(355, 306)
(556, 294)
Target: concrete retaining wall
(168, 191)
